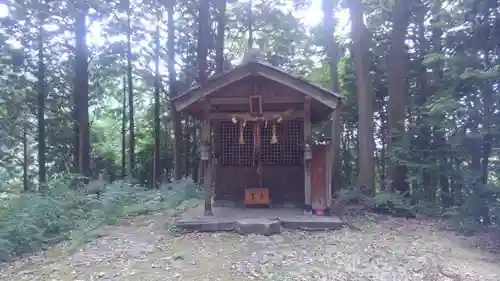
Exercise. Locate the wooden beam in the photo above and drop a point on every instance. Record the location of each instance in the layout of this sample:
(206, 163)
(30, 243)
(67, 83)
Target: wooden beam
(307, 164)
(244, 100)
(228, 115)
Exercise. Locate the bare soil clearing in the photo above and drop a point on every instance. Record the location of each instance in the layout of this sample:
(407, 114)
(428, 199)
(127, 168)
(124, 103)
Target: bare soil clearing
(143, 249)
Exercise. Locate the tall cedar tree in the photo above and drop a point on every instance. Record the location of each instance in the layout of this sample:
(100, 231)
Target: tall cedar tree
(397, 64)
(124, 128)
(157, 144)
(203, 41)
(331, 52)
(365, 98)
(219, 40)
(131, 119)
(41, 100)
(81, 90)
(172, 83)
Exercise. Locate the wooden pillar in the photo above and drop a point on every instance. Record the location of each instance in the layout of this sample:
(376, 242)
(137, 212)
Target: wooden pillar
(328, 180)
(307, 163)
(215, 156)
(206, 158)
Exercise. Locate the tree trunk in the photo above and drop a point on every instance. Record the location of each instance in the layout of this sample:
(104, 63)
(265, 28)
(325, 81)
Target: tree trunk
(203, 33)
(25, 153)
(41, 106)
(186, 145)
(219, 40)
(365, 97)
(486, 141)
(383, 151)
(398, 91)
(203, 40)
(157, 142)
(446, 197)
(82, 89)
(487, 122)
(131, 118)
(423, 141)
(176, 120)
(250, 25)
(124, 129)
(332, 54)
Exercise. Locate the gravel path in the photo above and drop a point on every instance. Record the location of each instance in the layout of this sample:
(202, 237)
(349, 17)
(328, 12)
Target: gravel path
(143, 249)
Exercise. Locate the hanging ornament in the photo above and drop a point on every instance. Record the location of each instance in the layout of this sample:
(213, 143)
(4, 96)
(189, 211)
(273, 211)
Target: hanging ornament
(265, 124)
(274, 138)
(256, 146)
(279, 119)
(256, 140)
(242, 128)
(234, 120)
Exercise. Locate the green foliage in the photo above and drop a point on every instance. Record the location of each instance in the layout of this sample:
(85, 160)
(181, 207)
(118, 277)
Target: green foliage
(391, 203)
(30, 221)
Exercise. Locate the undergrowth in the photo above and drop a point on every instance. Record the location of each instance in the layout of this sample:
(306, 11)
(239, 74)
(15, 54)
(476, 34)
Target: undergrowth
(384, 202)
(32, 221)
(474, 215)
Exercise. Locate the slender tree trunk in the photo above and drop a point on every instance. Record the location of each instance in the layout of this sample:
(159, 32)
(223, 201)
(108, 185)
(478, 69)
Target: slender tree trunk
(124, 129)
(186, 146)
(82, 89)
(250, 25)
(131, 118)
(383, 151)
(439, 138)
(203, 41)
(219, 41)
(191, 145)
(382, 166)
(332, 54)
(157, 144)
(219, 65)
(172, 81)
(202, 51)
(25, 154)
(76, 128)
(41, 106)
(486, 141)
(423, 141)
(365, 98)
(458, 182)
(203, 33)
(487, 122)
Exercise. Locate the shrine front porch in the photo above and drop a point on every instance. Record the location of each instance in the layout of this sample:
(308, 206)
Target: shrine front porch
(254, 220)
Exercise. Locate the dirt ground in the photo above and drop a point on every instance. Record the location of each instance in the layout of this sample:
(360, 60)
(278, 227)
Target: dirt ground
(383, 249)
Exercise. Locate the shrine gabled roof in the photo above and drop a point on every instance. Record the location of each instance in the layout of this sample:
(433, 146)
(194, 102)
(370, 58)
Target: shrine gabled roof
(256, 68)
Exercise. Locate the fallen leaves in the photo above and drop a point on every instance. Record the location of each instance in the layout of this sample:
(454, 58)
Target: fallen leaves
(388, 249)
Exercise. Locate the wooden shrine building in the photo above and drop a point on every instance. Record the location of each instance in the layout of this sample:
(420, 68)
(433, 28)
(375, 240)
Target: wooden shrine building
(256, 145)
